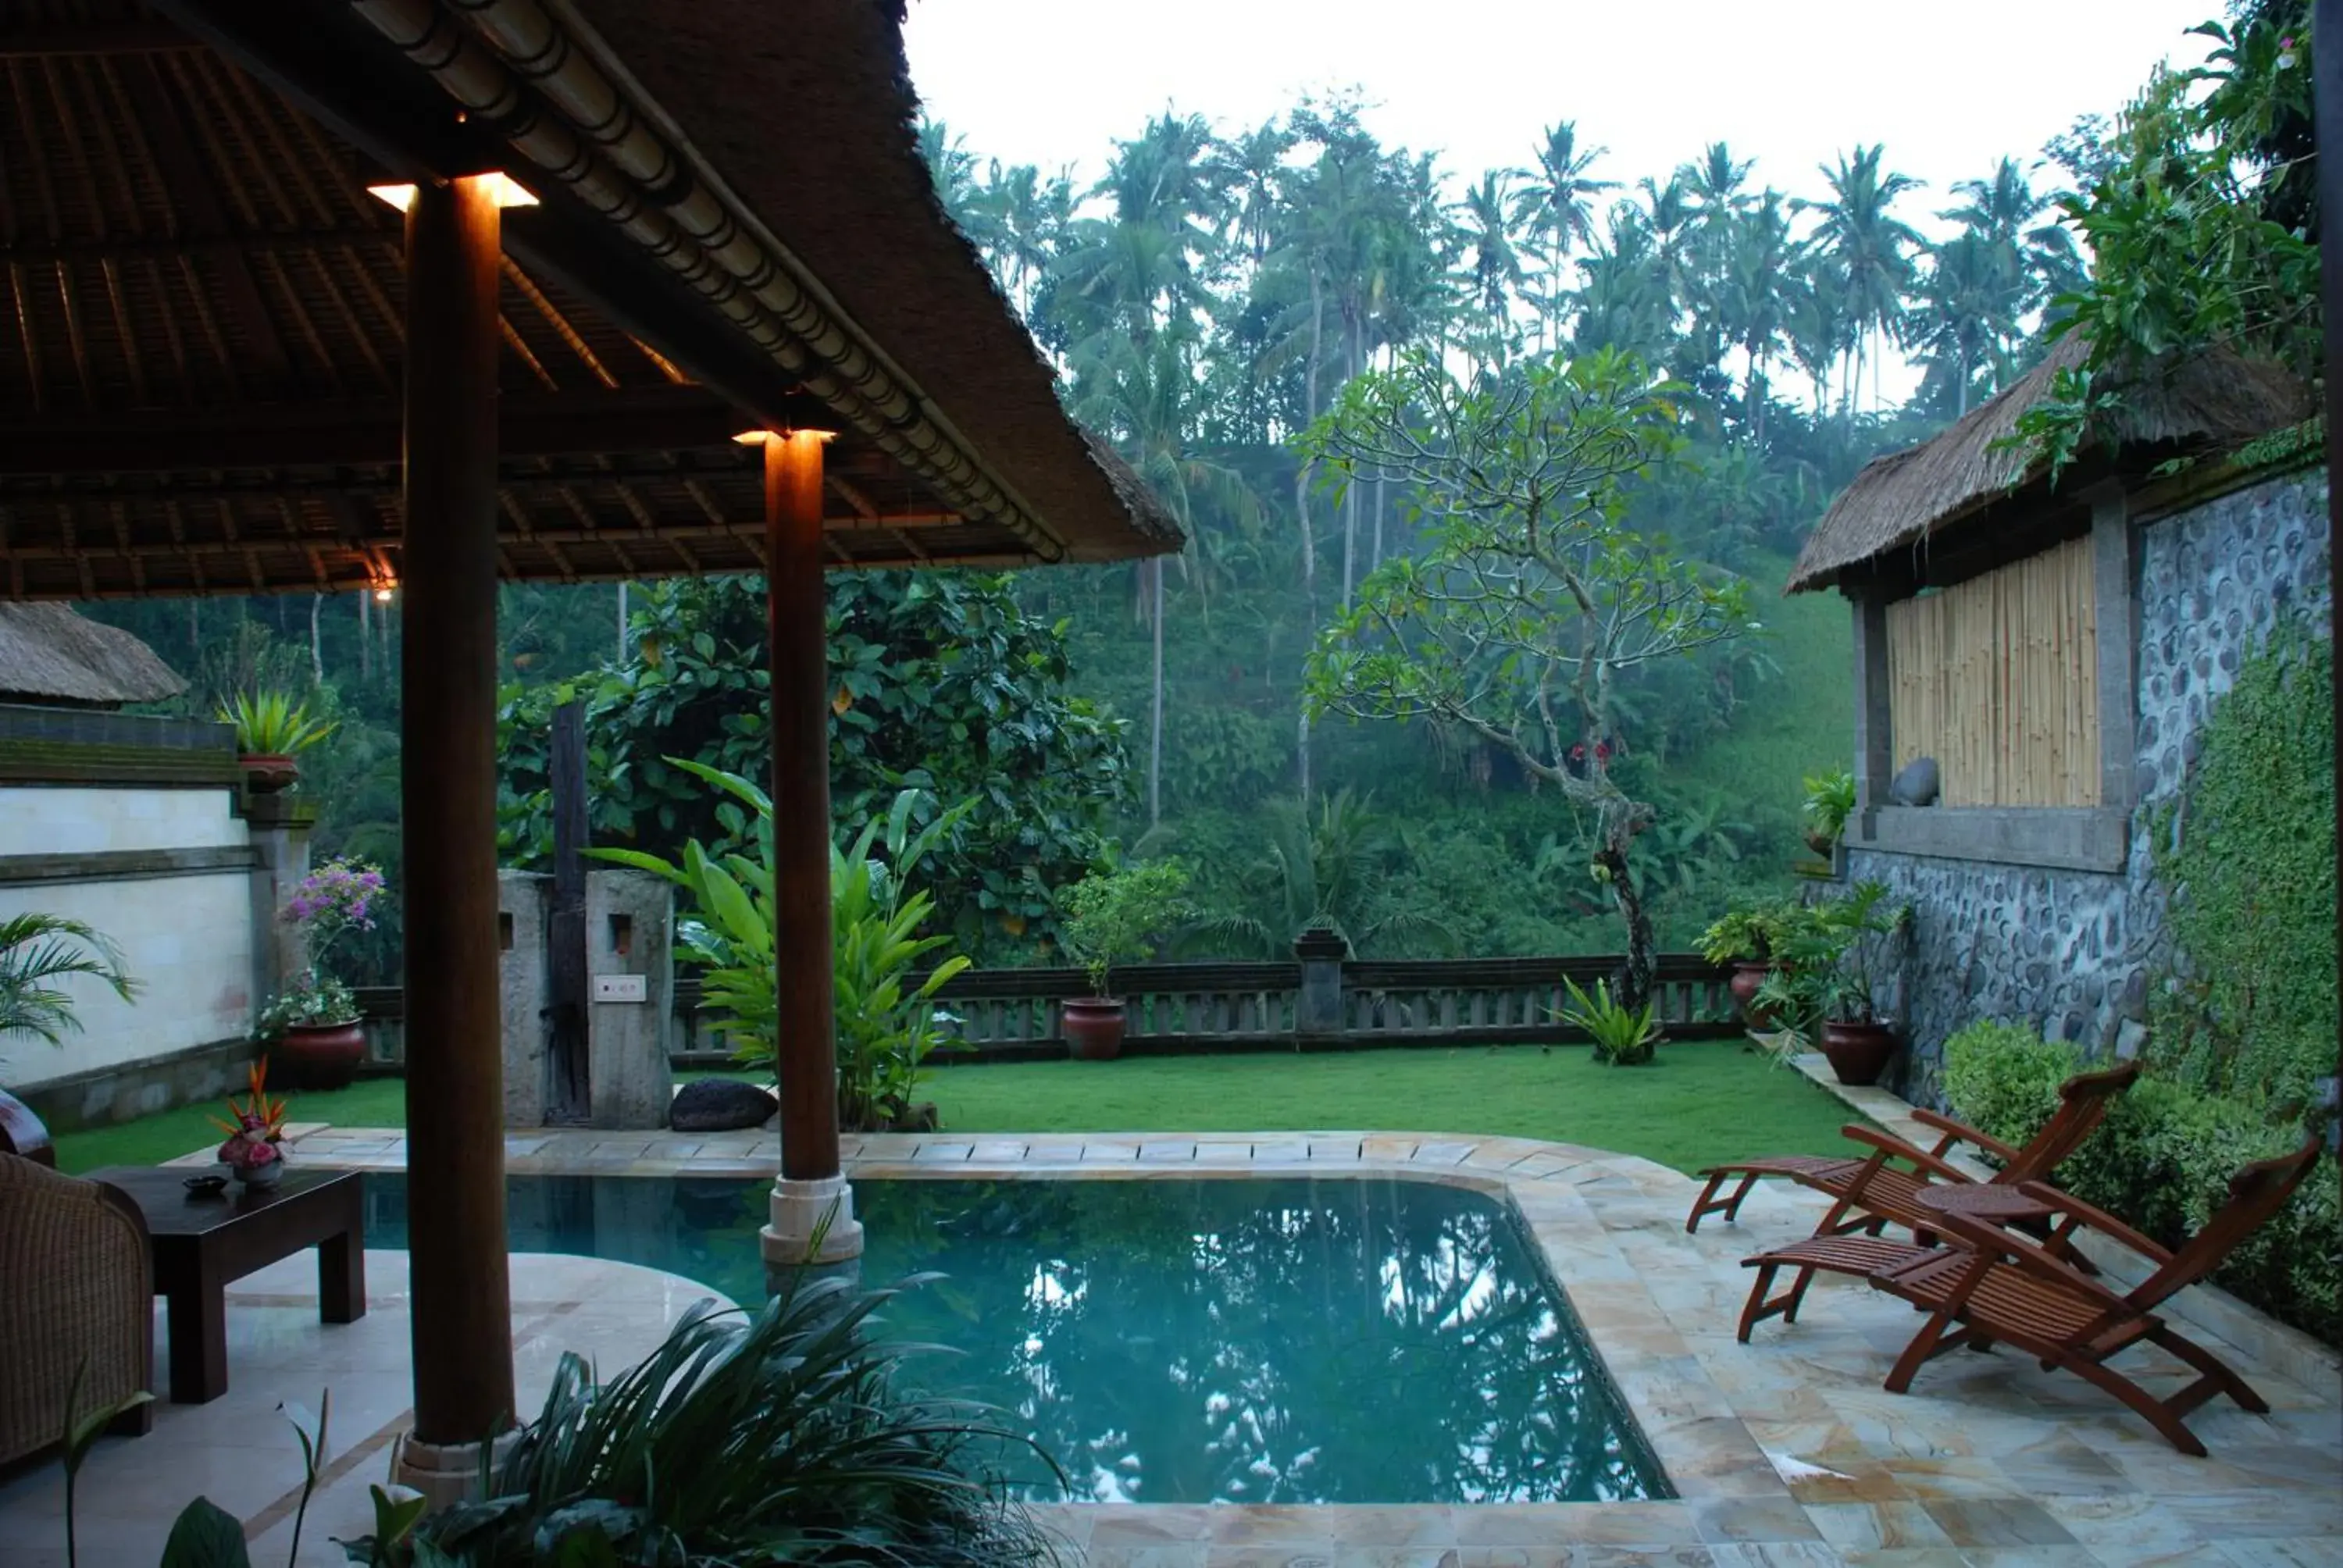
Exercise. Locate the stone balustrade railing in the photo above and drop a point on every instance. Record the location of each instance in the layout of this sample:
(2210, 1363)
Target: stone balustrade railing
(1317, 1001)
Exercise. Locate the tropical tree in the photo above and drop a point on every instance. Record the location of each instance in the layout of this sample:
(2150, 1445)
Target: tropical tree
(36, 952)
(1535, 598)
(1554, 206)
(1870, 249)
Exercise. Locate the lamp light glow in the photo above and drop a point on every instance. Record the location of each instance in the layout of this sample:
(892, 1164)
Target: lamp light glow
(507, 190)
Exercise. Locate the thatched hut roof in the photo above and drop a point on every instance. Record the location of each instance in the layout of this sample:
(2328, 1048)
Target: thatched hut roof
(2208, 401)
(49, 654)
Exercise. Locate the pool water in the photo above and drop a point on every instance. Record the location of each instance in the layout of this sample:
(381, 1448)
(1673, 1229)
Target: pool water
(1274, 1341)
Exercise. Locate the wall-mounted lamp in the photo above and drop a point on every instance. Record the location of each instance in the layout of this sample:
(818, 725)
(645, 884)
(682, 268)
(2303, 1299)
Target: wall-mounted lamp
(759, 437)
(508, 191)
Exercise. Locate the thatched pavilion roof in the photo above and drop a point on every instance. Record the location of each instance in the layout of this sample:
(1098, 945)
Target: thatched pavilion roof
(201, 307)
(1918, 496)
(49, 654)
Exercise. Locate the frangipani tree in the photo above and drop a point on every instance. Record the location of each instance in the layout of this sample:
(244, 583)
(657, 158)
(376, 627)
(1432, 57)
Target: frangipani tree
(1534, 598)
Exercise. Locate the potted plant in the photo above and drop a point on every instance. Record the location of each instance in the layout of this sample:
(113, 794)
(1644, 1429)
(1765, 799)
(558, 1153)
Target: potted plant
(1749, 936)
(1828, 987)
(272, 729)
(254, 1152)
(1110, 918)
(37, 950)
(1830, 801)
(312, 1025)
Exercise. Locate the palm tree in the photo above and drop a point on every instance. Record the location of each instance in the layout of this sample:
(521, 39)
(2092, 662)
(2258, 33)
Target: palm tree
(949, 163)
(1555, 206)
(1752, 306)
(38, 951)
(1969, 303)
(1493, 263)
(1625, 301)
(2021, 227)
(1870, 249)
(1245, 172)
(1315, 871)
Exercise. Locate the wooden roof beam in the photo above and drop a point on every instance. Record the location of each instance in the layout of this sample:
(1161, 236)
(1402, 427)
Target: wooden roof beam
(327, 433)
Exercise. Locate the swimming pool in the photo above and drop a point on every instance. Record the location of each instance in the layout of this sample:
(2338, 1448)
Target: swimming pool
(1270, 1341)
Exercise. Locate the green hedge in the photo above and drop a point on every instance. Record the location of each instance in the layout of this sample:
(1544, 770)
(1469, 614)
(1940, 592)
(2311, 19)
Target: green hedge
(2162, 1160)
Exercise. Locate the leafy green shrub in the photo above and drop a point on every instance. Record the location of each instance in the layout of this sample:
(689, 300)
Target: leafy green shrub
(1122, 915)
(2162, 1160)
(884, 1013)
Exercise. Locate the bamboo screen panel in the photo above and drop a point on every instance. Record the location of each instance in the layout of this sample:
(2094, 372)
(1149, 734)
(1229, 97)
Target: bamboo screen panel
(1996, 678)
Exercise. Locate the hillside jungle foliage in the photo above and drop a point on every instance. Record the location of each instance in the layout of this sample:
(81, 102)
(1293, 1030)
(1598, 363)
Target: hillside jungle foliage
(1206, 302)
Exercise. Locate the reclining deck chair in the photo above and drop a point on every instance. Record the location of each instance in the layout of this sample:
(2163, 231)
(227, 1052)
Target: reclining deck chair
(2000, 1286)
(1876, 1192)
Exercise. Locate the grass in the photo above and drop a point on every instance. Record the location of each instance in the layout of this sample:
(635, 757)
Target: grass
(1698, 1104)
(151, 1140)
(1799, 720)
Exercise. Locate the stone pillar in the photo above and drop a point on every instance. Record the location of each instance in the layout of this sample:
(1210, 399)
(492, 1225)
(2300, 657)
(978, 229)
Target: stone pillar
(1318, 1005)
(630, 969)
(279, 826)
(2115, 592)
(1874, 741)
(522, 995)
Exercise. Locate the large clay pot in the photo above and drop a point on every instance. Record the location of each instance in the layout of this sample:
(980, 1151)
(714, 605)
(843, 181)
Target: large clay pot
(1748, 976)
(1094, 1027)
(1858, 1053)
(315, 1056)
(268, 775)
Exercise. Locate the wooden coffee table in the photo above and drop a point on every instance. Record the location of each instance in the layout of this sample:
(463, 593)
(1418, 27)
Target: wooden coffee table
(200, 1243)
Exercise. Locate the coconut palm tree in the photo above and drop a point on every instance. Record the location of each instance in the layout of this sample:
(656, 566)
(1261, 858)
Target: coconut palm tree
(2022, 227)
(1869, 246)
(1491, 258)
(38, 951)
(1751, 303)
(1970, 299)
(1555, 206)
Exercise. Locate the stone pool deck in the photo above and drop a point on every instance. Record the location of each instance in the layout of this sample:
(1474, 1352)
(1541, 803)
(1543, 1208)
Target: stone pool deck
(1784, 1451)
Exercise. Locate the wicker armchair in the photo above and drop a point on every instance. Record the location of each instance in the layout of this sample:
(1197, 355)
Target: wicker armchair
(75, 1290)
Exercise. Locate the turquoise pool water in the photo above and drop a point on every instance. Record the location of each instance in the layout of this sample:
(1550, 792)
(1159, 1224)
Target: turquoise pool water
(1281, 1342)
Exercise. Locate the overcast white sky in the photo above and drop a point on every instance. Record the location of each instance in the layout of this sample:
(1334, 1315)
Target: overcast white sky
(1789, 82)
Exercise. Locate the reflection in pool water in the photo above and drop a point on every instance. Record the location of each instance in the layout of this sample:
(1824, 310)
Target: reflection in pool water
(1279, 1342)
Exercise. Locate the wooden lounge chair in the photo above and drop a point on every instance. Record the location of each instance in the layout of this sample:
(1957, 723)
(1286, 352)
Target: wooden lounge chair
(1997, 1286)
(1876, 1190)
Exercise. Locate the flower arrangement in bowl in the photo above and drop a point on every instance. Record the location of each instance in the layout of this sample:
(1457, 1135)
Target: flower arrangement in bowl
(254, 1152)
(312, 1025)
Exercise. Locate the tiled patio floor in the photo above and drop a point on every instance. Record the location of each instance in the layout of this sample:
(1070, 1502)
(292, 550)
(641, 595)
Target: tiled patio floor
(1785, 1452)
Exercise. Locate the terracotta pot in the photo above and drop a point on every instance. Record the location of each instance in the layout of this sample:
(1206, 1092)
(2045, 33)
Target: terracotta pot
(314, 1057)
(1094, 1027)
(1748, 975)
(267, 775)
(1821, 843)
(1858, 1053)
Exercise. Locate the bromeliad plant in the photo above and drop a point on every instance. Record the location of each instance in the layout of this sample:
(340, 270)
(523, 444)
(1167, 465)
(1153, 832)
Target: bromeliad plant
(256, 1137)
(1622, 1036)
(337, 898)
(885, 1006)
(272, 724)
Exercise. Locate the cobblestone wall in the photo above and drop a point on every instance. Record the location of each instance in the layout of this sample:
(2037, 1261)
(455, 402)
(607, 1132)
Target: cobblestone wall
(2074, 952)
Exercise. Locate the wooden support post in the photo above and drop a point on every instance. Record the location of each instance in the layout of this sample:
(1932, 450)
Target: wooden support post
(455, 1062)
(811, 1199)
(2327, 102)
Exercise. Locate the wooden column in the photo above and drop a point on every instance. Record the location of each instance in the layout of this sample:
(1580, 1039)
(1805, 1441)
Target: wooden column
(447, 671)
(796, 610)
(2327, 103)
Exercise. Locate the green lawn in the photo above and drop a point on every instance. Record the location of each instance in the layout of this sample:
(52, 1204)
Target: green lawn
(151, 1140)
(1699, 1104)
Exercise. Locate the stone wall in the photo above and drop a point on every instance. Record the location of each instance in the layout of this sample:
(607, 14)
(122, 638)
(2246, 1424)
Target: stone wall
(2073, 952)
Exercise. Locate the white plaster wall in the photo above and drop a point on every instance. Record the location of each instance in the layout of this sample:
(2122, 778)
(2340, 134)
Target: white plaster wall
(87, 821)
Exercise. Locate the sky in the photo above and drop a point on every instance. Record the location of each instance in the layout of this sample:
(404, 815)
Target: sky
(1792, 82)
